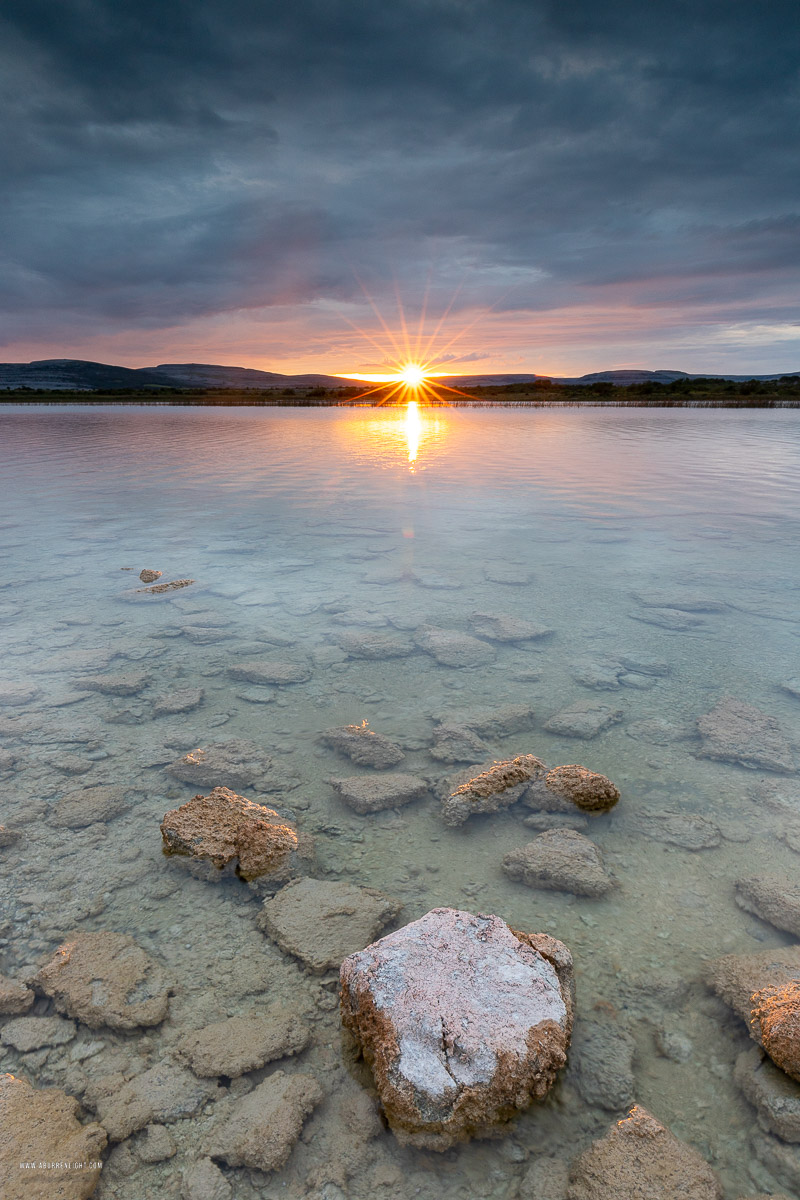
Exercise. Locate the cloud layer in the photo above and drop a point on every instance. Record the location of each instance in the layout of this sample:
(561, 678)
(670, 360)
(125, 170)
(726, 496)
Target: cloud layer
(616, 183)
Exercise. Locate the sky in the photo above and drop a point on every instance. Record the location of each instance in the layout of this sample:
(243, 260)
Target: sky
(538, 186)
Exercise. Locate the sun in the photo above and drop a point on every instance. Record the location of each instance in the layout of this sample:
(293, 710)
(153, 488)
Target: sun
(412, 375)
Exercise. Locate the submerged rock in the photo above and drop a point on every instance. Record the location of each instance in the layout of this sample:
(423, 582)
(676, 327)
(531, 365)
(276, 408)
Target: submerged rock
(774, 898)
(687, 830)
(668, 618)
(179, 701)
(457, 743)
(498, 787)
(497, 721)
(8, 836)
(776, 1098)
(165, 1093)
(601, 1057)
(32, 1033)
(560, 860)
(271, 671)
(158, 589)
(681, 602)
(586, 789)
(462, 1021)
(499, 627)
(374, 793)
(363, 746)
(15, 997)
(203, 1180)
(775, 1024)
(105, 979)
(244, 1043)
(453, 649)
(234, 763)
(76, 810)
(41, 1125)
(223, 827)
(148, 576)
(639, 1157)
(156, 1144)
(321, 922)
(584, 719)
(374, 646)
(261, 1129)
(128, 683)
(736, 732)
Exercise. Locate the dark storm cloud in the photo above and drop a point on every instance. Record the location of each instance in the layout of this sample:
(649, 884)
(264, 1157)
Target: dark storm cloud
(164, 161)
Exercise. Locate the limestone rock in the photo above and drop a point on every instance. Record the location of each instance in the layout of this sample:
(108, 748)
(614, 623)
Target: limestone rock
(222, 826)
(774, 898)
(32, 1033)
(203, 1180)
(173, 585)
(374, 646)
(602, 1059)
(545, 1179)
(780, 1159)
(156, 1144)
(589, 791)
(241, 1044)
(15, 997)
(735, 977)
(561, 860)
(374, 793)
(497, 721)
(498, 787)
(363, 746)
(640, 1157)
(321, 922)
(775, 1023)
(457, 743)
(499, 627)
(128, 683)
(263, 1127)
(41, 1125)
(271, 671)
(181, 700)
(76, 810)
(105, 979)
(148, 576)
(584, 719)
(687, 830)
(772, 1094)
(235, 763)
(739, 733)
(462, 1021)
(164, 1093)
(453, 649)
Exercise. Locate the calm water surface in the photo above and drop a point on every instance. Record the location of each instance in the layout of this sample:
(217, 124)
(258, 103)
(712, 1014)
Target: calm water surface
(301, 525)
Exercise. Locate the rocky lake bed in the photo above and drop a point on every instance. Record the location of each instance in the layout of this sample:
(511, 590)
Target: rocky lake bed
(571, 724)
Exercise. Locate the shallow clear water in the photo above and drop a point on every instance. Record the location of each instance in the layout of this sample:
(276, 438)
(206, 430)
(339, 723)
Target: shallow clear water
(298, 525)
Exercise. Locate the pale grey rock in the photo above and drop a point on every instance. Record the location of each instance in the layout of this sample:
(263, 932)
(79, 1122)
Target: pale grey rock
(640, 664)
(584, 719)
(545, 1179)
(181, 700)
(128, 683)
(453, 649)
(262, 1128)
(374, 646)
(461, 1020)
(156, 1144)
(491, 722)
(363, 746)
(374, 793)
(740, 733)
(687, 830)
(774, 898)
(501, 627)
(76, 810)
(457, 743)
(271, 671)
(792, 686)
(236, 764)
(598, 676)
(601, 1058)
(560, 860)
(17, 694)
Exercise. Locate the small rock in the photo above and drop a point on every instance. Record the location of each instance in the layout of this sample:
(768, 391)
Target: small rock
(674, 1045)
(560, 860)
(148, 576)
(457, 743)
(235, 763)
(639, 1157)
(41, 1125)
(32, 1033)
(601, 677)
(368, 794)
(180, 701)
(105, 979)
(462, 1021)
(497, 788)
(321, 922)
(499, 627)
(15, 997)
(241, 1044)
(452, 649)
(263, 1127)
(363, 746)
(584, 719)
(493, 722)
(76, 810)
(164, 1093)
(774, 898)
(586, 789)
(156, 1144)
(158, 589)
(124, 684)
(204, 1181)
(374, 646)
(223, 827)
(739, 733)
(686, 830)
(271, 671)
(776, 1098)
(775, 1024)
(602, 1057)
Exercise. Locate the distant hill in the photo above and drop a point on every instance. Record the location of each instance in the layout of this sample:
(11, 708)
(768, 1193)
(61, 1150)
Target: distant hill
(73, 374)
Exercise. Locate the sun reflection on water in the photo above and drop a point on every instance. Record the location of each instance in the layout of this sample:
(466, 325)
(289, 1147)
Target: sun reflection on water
(413, 425)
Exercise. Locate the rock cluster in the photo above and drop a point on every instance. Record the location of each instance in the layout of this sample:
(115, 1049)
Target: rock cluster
(462, 1021)
(105, 979)
(223, 827)
(501, 785)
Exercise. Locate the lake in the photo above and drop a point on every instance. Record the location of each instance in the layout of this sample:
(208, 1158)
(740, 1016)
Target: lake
(655, 552)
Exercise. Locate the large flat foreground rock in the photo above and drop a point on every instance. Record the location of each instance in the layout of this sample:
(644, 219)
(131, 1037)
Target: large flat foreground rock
(462, 1021)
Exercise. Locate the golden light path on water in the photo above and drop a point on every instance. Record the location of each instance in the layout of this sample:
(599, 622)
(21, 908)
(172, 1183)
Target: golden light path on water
(413, 430)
